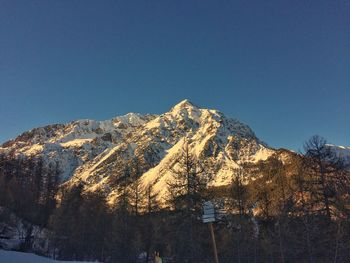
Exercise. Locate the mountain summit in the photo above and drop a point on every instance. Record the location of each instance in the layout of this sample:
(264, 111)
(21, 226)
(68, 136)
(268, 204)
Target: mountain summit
(99, 153)
(184, 104)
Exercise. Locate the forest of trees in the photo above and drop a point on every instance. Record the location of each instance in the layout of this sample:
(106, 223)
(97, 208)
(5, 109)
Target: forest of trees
(289, 211)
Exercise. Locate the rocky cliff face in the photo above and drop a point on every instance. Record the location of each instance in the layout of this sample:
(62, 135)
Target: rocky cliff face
(100, 152)
(68, 146)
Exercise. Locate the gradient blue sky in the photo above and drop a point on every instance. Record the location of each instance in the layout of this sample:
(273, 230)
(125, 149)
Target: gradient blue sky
(282, 67)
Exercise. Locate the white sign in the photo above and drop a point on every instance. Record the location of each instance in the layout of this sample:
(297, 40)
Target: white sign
(208, 219)
(208, 212)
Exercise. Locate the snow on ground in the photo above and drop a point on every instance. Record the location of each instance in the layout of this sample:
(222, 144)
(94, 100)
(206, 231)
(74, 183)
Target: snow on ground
(20, 257)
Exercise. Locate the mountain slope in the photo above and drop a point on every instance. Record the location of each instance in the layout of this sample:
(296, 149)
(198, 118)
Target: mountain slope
(220, 142)
(67, 146)
(100, 153)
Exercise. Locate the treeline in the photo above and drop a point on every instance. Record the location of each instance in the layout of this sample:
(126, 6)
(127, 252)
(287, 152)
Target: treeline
(28, 187)
(301, 206)
(289, 208)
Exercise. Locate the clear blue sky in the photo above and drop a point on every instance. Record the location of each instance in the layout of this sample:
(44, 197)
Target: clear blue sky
(282, 67)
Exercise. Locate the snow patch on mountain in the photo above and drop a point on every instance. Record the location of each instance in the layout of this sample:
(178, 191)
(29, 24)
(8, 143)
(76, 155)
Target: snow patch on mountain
(75, 143)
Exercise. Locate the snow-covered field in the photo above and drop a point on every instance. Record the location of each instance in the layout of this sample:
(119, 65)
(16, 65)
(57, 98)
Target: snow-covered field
(20, 257)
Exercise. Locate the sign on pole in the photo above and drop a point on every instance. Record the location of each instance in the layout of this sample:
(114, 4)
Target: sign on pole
(209, 217)
(208, 212)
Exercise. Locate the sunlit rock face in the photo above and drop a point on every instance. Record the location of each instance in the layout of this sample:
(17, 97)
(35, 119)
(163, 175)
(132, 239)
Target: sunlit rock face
(65, 147)
(99, 153)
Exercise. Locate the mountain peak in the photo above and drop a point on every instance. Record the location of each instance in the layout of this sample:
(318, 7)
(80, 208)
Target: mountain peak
(184, 104)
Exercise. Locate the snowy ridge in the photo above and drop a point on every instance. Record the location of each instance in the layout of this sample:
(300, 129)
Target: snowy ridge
(70, 145)
(99, 153)
(223, 142)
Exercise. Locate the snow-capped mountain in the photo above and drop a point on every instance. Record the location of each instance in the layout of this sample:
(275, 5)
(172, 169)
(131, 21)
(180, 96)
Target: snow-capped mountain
(68, 146)
(222, 143)
(100, 152)
(343, 152)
